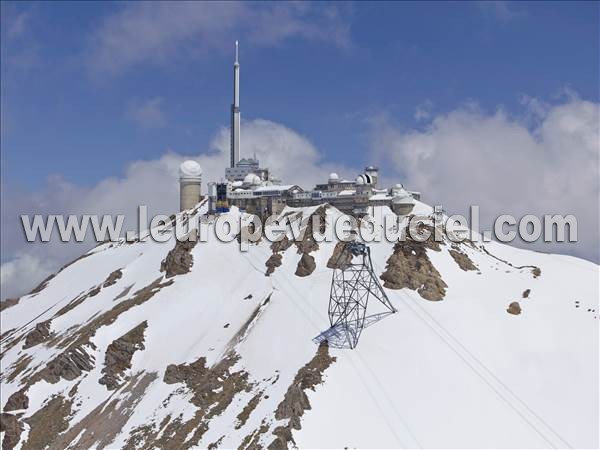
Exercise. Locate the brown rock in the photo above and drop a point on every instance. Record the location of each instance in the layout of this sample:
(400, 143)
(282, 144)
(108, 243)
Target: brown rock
(463, 261)
(273, 262)
(410, 267)
(514, 308)
(526, 293)
(179, 260)
(39, 334)
(16, 401)
(118, 356)
(340, 257)
(112, 278)
(306, 265)
(295, 401)
(7, 303)
(12, 429)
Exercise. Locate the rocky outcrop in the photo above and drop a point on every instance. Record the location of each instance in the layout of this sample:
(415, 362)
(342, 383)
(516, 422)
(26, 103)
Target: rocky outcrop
(75, 359)
(526, 293)
(69, 364)
(112, 278)
(16, 401)
(278, 247)
(306, 265)
(47, 423)
(340, 257)
(273, 262)
(39, 334)
(213, 390)
(410, 267)
(514, 308)
(463, 261)
(12, 429)
(102, 425)
(118, 356)
(295, 400)
(179, 260)
(7, 303)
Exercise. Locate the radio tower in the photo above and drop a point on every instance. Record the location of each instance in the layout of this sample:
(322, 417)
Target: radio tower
(235, 111)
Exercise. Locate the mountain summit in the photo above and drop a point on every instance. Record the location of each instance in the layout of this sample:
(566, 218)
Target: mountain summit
(198, 345)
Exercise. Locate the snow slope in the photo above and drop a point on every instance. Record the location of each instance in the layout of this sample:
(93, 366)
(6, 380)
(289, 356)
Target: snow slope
(460, 372)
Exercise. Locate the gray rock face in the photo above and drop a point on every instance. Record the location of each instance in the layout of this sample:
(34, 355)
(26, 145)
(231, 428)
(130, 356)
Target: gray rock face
(39, 334)
(18, 400)
(179, 260)
(306, 265)
(118, 356)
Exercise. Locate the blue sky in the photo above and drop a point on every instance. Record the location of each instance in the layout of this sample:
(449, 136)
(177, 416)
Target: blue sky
(61, 116)
(488, 103)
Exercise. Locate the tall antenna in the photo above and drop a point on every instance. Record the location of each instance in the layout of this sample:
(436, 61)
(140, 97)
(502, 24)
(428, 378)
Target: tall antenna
(237, 52)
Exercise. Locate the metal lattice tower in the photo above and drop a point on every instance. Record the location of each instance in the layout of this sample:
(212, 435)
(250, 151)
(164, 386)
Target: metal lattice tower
(352, 285)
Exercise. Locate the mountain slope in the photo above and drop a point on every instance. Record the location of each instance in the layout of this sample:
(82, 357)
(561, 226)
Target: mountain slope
(209, 352)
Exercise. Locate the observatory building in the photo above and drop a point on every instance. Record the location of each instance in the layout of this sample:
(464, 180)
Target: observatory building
(190, 184)
(255, 190)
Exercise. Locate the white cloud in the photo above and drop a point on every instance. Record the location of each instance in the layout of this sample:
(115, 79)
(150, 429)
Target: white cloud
(423, 110)
(152, 183)
(161, 32)
(148, 114)
(543, 163)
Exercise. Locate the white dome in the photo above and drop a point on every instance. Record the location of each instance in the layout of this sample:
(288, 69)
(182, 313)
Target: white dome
(399, 186)
(333, 177)
(360, 180)
(190, 170)
(252, 179)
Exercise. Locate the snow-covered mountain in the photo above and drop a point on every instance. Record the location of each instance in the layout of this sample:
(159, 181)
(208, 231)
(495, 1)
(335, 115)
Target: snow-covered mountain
(165, 345)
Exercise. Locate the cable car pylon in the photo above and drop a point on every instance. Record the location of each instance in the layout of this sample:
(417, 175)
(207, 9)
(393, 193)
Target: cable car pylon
(353, 283)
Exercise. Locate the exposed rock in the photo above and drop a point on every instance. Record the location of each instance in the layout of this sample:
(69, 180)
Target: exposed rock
(245, 414)
(295, 400)
(47, 423)
(118, 356)
(112, 278)
(526, 293)
(273, 262)
(514, 308)
(179, 260)
(12, 429)
(463, 261)
(102, 425)
(308, 243)
(16, 401)
(39, 334)
(17, 367)
(281, 245)
(306, 265)
(536, 272)
(75, 359)
(410, 267)
(68, 365)
(340, 257)
(7, 303)
(251, 441)
(213, 390)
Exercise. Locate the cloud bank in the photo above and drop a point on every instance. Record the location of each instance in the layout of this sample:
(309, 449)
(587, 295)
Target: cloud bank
(161, 32)
(546, 161)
